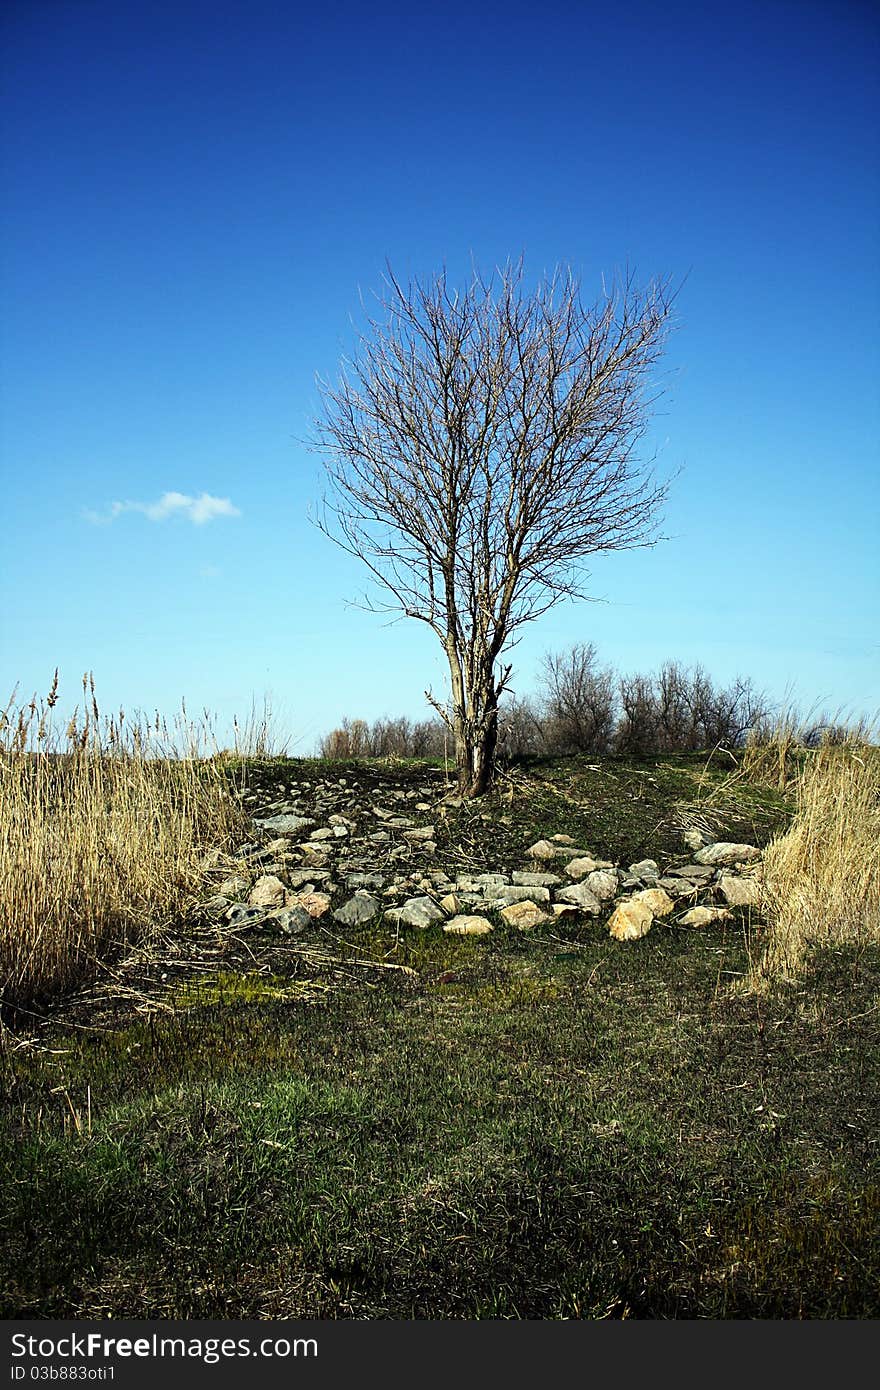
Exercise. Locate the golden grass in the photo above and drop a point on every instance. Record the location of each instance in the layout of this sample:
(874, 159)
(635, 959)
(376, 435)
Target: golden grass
(822, 878)
(104, 827)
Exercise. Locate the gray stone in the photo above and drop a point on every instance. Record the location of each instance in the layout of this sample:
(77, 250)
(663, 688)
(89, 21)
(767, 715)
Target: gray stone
(627, 882)
(528, 880)
(298, 878)
(697, 873)
(233, 887)
(646, 871)
(416, 912)
(285, 823)
(362, 880)
(291, 920)
(215, 907)
(603, 882)
(422, 832)
(363, 907)
(582, 896)
(502, 895)
(740, 892)
(240, 915)
(676, 887)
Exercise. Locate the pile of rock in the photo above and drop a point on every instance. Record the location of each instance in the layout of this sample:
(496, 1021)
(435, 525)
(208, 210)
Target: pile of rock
(368, 861)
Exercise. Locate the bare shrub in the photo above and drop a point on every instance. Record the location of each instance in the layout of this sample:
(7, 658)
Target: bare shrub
(681, 710)
(350, 740)
(385, 738)
(580, 702)
(521, 730)
(637, 733)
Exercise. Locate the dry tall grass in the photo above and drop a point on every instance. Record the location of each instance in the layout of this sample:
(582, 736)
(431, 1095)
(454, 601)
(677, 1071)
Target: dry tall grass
(822, 879)
(103, 825)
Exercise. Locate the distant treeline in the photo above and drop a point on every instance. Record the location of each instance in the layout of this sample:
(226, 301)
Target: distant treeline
(584, 707)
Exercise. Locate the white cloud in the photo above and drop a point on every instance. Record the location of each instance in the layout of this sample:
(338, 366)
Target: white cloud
(198, 510)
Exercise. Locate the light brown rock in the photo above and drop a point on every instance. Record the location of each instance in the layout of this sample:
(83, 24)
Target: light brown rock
(541, 849)
(630, 920)
(704, 916)
(268, 891)
(468, 926)
(315, 904)
(579, 868)
(449, 904)
(234, 887)
(524, 915)
(656, 899)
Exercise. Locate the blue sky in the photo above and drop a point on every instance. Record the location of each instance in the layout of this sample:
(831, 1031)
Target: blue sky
(195, 197)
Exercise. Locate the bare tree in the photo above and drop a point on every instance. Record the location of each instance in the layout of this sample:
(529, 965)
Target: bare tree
(479, 447)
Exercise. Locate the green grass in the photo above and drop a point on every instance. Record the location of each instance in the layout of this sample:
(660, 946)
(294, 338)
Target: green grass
(540, 1130)
(531, 1125)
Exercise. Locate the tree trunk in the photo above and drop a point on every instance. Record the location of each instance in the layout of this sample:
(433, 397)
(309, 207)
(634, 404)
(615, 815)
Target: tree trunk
(476, 739)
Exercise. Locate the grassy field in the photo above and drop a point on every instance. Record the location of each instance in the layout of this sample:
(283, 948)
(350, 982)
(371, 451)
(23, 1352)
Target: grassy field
(526, 1125)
